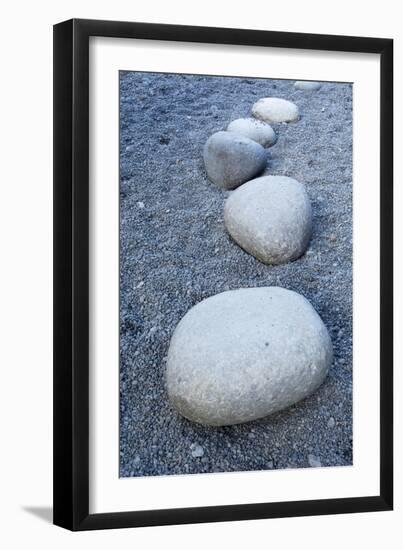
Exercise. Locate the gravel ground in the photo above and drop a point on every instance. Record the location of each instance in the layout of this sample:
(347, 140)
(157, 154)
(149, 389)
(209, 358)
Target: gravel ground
(175, 252)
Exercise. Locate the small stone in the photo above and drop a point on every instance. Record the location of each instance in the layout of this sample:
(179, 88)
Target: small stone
(270, 217)
(140, 204)
(137, 460)
(331, 422)
(196, 450)
(275, 109)
(314, 462)
(254, 129)
(332, 237)
(270, 464)
(130, 148)
(220, 372)
(307, 85)
(231, 159)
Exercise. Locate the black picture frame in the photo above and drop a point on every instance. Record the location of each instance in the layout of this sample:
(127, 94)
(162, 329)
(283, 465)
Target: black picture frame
(71, 274)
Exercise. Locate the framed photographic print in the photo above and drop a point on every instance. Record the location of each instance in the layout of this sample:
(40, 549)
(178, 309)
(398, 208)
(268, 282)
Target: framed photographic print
(223, 318)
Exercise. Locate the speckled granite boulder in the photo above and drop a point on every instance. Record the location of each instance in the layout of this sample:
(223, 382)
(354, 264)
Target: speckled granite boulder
(275, 109)
(257, 130)
(307, 85)
(244, 354)
(231, 159)
(271, 218)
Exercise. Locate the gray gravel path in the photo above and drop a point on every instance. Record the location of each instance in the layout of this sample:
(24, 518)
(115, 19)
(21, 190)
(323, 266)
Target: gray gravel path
(175, 252)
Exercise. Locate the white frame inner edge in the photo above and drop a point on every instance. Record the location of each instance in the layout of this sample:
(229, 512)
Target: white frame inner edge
(108, 493)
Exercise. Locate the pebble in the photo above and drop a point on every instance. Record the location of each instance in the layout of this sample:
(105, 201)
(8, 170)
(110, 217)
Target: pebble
(275, 109)
(331, 422)
(244, 354)
(270, 217)
(214, 111)
(254, 129)
(314, 461)
(196, 450)
(231, 159)
(307, 85)
(140, 204)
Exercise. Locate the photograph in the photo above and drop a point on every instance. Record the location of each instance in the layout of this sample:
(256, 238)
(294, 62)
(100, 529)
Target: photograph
(236, 274)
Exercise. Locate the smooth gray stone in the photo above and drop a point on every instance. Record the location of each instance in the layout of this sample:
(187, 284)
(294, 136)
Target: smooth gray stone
(331, 423)
(271, 218)
(254, 129)
(244, 354)
(307, 85)
(231, 159)
(275, 109)
(196, 450)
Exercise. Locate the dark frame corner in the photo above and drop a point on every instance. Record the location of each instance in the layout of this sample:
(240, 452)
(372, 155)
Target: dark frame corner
(71, 274)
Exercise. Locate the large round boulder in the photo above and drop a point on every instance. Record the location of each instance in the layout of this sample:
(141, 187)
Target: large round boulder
(231, 159)
(244, 354)
(271, 218)
(254, 129)
(275, 109)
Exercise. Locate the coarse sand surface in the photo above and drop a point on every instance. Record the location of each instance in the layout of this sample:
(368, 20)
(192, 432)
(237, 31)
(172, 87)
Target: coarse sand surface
(175, 251)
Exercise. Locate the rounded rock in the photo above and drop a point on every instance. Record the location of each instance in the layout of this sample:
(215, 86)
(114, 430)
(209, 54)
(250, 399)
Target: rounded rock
(275, 109)
(244, 354)
(197, 450)
(307, 85)
(256, 130)
(231, 159)
(271, 218)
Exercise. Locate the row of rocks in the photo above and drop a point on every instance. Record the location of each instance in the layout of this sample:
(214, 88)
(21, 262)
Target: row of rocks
(244, 354)
(269, 217)
(236, 155)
